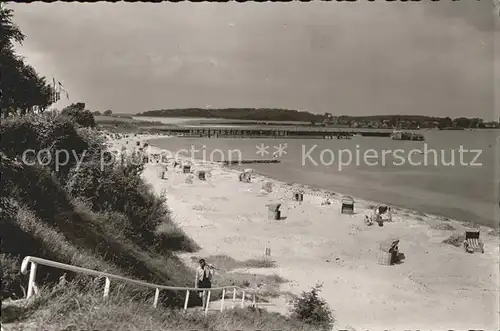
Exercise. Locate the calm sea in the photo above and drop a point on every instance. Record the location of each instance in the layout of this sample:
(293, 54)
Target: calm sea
(399, 173)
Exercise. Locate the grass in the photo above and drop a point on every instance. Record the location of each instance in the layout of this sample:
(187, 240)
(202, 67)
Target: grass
(470, 224)
(126, 124)
(227, 263)
(267, 286)
(442, 226)
(121, 119)
(83, 308)
(494, 232)
(456, 239)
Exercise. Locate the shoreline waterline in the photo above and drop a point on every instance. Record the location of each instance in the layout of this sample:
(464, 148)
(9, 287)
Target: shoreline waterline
(412, 207)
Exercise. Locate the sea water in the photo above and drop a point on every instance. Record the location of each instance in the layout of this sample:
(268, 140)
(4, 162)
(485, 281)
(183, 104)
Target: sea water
(459, 180)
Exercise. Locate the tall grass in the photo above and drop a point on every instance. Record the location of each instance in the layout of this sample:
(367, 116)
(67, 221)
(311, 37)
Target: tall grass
(77, 307)
(104, 220)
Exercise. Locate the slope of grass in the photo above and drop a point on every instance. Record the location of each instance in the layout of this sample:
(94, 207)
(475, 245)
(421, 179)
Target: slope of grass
(46, 216)
(104, 219)
(83, 308)
(264, 286)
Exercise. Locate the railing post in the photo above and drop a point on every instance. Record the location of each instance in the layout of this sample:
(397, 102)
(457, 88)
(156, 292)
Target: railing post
(234, 296)
(157, 295)
(186, 300)
(208, 302)
(222, 301)
(31, 281)
(243, 299)
(106, 287)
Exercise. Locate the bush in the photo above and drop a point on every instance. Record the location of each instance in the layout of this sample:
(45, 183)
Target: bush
(77, 113)
(11, 277)
(313, 310)
(121, 189)
(54, 134)
(76, 307)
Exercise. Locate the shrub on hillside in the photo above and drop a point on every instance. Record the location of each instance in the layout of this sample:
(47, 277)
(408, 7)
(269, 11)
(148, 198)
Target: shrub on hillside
(79, 115)
(10, 276)
(23, 137)
(83, 308)
(120, 188)
(312, 309)
(456, 239)
(19, 134)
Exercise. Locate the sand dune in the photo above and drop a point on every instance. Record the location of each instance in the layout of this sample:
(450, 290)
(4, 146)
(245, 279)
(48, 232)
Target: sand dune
(438, 286)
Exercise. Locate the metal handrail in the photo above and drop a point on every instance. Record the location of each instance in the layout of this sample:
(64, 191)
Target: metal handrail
(36, 260)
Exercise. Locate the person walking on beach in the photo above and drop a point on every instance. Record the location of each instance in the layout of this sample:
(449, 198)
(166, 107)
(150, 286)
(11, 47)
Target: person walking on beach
(203, 280)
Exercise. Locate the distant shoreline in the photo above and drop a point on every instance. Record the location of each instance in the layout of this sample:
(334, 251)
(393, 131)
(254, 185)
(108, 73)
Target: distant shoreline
(368, 122)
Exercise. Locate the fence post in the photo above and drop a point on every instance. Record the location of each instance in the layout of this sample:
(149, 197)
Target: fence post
(234, 296)
(243, 299)
(106, 287)
(157, 295)
(31, 281)
(186, 300)
(254, 301)
(208, 302)
(222, 301)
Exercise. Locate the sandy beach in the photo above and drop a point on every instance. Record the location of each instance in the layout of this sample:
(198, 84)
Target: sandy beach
(437, 285)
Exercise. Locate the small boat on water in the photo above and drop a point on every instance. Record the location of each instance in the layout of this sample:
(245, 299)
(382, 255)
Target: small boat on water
(401, 135)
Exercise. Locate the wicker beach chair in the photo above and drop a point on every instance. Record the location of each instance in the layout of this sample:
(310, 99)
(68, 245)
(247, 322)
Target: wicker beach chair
(389, 251)
(267, 186)
(472, 242)
(189, 179)
(186, 168)
(201, 174)
(274, 212)
(298, 196)
(347, 205)
(245, 177)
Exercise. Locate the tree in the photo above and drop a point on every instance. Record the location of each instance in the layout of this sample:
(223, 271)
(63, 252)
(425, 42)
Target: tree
(22, 88)
(77, 113)
(96, 113)
(445, 122)
(312, 309)
(108, 112)
(10, 32)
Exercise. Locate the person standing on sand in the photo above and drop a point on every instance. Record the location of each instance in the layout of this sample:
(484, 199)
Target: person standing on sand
(203, 280)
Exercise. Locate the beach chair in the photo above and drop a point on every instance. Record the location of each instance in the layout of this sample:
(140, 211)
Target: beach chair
(267, 186)
(245, 177)
(274, 212)
(189, 179)
(384, 212)
(472, 242)
(298, 196)
(347, 205)
(388, 251)
(201, 175)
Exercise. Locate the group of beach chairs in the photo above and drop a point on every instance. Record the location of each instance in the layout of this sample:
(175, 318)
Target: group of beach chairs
(379, 214)
(186, 168)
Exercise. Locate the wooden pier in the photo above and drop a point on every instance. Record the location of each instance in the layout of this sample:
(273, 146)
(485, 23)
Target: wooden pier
(276, 132)
(227, 162)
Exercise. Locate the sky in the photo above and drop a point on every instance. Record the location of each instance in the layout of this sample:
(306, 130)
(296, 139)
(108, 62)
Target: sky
(361, 58)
